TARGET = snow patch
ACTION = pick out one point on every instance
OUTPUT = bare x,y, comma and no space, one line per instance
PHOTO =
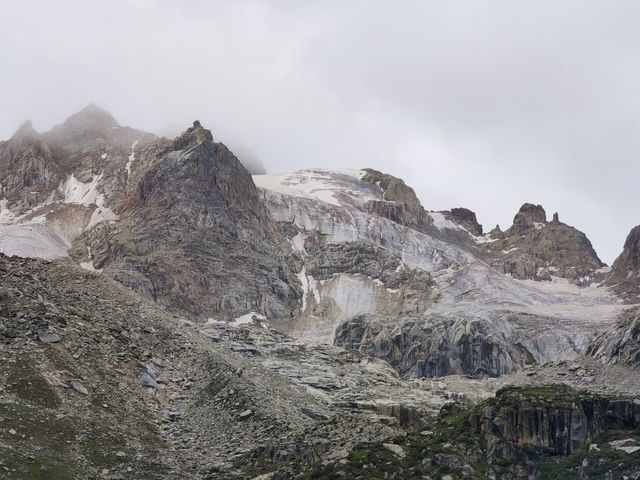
357,173
5,213
213,321
247,318
309,286
297,242
441,222
101,214
484,239
31,240
132,158
81,193
89,265
321,185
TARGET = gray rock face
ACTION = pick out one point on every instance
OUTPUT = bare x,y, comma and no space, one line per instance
194,236
621,343
29,173
533,248
399,203
147,380
625,279
465,218
362,258
435,346
629,259
49,337
554,420
528,216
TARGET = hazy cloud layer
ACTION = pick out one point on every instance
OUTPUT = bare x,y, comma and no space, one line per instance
484,104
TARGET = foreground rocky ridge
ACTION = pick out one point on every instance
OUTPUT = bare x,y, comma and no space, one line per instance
99,383
198,401
543,432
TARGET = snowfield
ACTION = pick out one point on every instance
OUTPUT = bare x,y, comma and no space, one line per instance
558,315
47,230
334,188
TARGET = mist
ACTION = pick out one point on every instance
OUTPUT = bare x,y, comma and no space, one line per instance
481,104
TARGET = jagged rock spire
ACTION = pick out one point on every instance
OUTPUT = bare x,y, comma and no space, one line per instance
530,214
193,136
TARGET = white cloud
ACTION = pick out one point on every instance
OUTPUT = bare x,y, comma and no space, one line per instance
485,104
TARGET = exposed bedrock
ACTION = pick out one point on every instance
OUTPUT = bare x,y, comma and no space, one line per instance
523,425
621,343
535,249
195,237
434,346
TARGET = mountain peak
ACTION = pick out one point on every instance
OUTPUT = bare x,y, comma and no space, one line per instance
91,117
25,131
193,136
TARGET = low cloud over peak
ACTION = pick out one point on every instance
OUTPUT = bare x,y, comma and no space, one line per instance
485,104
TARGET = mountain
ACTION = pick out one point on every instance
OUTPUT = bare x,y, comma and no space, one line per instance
621,343
533,248
167,314
471,318
192,220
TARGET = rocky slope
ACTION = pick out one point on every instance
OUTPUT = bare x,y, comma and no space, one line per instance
626,269
548,432
478,321
240,325
533,248
97,382
173,220
191,221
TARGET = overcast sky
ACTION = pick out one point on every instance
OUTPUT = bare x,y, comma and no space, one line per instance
482,104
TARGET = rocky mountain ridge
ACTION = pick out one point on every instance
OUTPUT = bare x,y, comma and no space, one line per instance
294,309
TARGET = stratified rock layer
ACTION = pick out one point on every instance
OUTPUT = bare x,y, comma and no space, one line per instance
194,236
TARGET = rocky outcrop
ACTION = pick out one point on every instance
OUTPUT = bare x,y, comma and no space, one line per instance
533,248
399,201
621,343
625,278
527,217
521,434
437,346
629,259
29,173
194,236
416,287
527,424
466,219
